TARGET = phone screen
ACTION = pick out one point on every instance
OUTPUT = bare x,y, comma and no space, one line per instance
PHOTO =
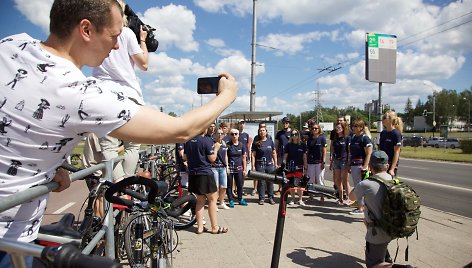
208,85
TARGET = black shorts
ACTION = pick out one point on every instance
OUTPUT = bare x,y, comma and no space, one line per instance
201,184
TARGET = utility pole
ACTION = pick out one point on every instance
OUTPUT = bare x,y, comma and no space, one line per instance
252,105
319,112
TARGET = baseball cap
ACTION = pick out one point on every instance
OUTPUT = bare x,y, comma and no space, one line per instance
305,126
285,119
378,158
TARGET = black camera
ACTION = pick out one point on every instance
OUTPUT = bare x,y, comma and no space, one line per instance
134,23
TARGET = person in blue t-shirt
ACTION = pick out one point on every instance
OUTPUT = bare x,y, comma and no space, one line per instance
264,159
391,139
360,150
316,156
296,163
339,154
200,152
237,152
282,137
219,168
181,164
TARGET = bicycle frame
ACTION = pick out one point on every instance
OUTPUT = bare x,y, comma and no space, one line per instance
18,249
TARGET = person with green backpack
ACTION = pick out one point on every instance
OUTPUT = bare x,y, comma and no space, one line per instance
376,192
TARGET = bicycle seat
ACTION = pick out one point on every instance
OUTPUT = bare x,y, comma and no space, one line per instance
61,228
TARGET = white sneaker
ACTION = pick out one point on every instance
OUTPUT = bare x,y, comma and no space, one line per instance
291,202
301,203
223,206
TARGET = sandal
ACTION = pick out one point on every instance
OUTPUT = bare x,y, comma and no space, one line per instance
202,231
221,230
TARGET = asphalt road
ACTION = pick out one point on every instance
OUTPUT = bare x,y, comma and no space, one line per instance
445,186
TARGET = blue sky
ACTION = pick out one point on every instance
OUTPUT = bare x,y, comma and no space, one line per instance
295,39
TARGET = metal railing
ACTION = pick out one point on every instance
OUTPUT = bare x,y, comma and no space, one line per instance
18,249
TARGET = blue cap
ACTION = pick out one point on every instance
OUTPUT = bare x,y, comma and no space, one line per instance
378,158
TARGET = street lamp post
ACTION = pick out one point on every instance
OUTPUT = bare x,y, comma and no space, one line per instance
434,106
468,115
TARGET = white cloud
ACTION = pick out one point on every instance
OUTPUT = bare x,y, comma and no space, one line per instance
287,43
216,42
175,25
37,12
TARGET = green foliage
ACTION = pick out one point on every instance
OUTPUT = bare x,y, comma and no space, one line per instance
466,146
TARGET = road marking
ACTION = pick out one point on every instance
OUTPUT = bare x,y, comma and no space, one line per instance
413,167
438,161
437,184
62,209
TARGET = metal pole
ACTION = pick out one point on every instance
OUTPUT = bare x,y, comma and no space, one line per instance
434,113
252,105
379,125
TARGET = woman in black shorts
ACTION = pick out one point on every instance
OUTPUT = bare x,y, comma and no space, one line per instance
200,152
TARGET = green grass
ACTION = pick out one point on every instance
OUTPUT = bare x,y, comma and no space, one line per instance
455,155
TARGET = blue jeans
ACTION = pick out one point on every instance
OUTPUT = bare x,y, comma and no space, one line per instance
261,185
239,179
5,260
220,176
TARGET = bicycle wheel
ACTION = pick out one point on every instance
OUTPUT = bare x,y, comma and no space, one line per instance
129,239
181,210
120,224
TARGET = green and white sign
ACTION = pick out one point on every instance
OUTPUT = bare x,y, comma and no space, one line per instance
381,53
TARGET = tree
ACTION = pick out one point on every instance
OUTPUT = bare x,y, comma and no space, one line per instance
408,116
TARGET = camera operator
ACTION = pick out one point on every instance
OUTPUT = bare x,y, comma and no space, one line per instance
119,67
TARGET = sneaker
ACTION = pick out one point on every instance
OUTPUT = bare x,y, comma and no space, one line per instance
301,203
357,212
291,202
244,193
261,202
271,201
243,202
253,193
223,206
231,204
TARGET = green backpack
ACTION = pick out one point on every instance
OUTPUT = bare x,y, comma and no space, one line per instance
401,208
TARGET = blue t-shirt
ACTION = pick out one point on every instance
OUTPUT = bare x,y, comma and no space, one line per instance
227,138
221,159
263,152
315,149
197,150
356,149
388,141
244,138
340,147
283,138
295,154
235,156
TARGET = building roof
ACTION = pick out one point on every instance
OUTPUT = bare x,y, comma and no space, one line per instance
251,116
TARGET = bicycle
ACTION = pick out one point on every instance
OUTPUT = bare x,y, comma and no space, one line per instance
152,243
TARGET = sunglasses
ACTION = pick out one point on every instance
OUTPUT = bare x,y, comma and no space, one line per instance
234,134
220,133
294,133
316,128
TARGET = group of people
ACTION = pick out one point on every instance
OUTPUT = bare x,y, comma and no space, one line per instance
51,105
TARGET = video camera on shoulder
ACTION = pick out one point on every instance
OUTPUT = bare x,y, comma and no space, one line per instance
134,23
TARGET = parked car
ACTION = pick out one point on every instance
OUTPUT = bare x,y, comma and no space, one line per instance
434,142
414,141
452,143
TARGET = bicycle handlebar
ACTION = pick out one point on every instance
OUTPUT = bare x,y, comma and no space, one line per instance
266,176
156,188
69,256
314,188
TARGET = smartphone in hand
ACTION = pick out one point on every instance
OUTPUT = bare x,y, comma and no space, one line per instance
208,85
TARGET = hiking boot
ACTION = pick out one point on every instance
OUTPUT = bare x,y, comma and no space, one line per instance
243,202
357,212
231,204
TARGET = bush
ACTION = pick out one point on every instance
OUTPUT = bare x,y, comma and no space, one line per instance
466,146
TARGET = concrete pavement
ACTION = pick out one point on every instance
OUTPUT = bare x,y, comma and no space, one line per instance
318,235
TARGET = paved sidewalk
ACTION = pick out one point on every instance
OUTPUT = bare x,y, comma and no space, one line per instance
318,235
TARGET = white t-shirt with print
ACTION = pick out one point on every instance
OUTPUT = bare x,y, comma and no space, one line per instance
119,66
46,107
